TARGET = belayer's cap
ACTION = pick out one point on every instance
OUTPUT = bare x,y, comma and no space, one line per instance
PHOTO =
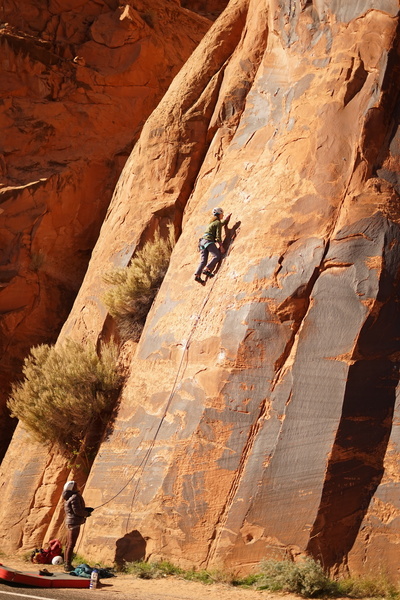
69,486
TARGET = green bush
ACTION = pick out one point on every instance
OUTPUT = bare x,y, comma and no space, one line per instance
367,587
134,288
65,390
306,579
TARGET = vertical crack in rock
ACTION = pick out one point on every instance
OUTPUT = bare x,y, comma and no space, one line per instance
303,296
356,79
378,122
289,309
23,517
355,466
381,118
386,164
247,449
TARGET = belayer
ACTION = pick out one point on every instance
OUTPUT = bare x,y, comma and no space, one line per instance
211,243
75,515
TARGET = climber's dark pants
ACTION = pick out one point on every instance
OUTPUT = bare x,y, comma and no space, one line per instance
211,249
72,536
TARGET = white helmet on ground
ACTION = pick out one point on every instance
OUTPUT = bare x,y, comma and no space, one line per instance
57,560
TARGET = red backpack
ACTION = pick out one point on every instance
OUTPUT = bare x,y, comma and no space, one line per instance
44,556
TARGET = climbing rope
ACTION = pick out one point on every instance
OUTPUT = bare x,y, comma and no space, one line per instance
146,456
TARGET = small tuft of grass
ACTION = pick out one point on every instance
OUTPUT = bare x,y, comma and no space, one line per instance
167,568
209,576
26,556
37,260
78,559
151,570
248,581
133,289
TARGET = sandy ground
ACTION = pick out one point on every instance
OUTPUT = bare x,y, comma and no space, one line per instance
167,588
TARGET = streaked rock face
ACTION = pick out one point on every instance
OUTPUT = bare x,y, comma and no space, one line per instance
78,81
257,416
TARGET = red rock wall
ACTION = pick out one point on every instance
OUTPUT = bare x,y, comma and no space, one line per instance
78,81
209,8
257,417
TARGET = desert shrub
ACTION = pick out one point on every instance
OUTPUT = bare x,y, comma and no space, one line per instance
377,586
64,390
306,578
133,289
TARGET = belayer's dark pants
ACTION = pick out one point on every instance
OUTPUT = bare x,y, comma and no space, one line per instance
72,536
204,253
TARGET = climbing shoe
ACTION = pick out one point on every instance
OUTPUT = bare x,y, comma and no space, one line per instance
45,572
198,278
208,273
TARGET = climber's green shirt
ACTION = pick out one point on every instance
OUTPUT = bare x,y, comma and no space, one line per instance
213,231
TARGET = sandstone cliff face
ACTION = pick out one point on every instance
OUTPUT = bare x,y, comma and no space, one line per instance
78,81
256,419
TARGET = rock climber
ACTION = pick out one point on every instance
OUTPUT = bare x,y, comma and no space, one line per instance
211,243
75,515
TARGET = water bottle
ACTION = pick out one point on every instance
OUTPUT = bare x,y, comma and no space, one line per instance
94,579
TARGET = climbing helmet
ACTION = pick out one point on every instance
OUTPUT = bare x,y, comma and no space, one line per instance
217,211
